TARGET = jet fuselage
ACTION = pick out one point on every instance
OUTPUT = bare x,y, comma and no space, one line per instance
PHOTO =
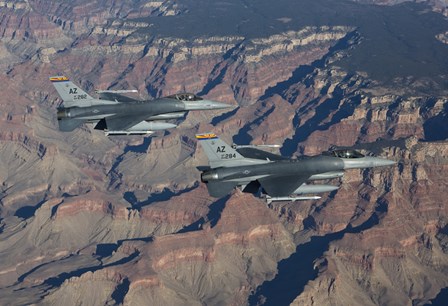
302,166
279,177
117,114
96,112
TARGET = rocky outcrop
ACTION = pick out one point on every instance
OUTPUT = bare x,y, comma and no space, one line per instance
15,5
443,37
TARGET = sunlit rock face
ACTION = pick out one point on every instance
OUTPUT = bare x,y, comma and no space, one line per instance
87,219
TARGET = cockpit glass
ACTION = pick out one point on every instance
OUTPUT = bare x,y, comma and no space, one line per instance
186,97
346,154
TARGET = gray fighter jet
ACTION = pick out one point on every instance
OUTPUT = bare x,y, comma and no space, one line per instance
117,114
280,178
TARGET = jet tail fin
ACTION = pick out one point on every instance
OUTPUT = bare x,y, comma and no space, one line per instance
219,153
71,94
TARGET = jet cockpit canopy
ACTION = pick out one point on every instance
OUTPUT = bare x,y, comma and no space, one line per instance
185,97
345,153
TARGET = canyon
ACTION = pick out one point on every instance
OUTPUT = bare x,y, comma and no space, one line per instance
87,219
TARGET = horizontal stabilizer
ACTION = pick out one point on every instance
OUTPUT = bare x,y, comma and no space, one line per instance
68,125
220,189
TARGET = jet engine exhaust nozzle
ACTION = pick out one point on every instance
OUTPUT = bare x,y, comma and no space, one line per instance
209,176
63,113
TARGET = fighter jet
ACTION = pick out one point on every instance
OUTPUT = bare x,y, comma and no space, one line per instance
117,114
279,178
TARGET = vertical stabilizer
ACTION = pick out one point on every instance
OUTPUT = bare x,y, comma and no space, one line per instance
220,154
71,94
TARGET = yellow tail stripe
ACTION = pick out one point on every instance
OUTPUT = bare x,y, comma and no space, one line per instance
206,136
58,79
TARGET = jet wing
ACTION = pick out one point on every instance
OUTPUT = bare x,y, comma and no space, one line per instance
282,186
124,122
115,97
259,154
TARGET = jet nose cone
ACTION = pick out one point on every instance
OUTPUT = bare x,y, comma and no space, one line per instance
366,162
217,105
380,162
205,105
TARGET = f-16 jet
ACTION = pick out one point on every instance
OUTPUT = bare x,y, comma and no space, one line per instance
117,114
280,178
